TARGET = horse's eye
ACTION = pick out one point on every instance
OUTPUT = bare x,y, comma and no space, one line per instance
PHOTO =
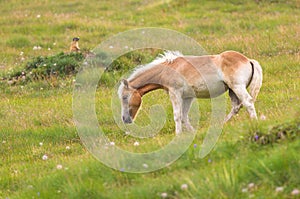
124,97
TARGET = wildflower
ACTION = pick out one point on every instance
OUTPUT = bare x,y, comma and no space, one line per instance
39,48
209,160
244,190
45,157
126,47
111,47
34,48
22,58
59,166
195,145
112,144
145,166
49,48
54,44
3,142
184,186
256,137
38,16
251,185
127,133
164,195
136,144
68,147
279,189
41,88
295,192
41,143
54,64
21,53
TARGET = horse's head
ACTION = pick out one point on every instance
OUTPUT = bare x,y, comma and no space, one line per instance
131,101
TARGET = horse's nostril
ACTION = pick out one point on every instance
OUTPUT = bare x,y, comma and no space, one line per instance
123,118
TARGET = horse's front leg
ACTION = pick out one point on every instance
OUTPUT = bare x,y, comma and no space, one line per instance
176,100
186,105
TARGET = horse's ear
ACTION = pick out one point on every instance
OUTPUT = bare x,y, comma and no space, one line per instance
125,82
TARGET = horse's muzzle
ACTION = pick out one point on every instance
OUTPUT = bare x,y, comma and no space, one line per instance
127,120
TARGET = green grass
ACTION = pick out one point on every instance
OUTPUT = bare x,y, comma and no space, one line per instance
36,118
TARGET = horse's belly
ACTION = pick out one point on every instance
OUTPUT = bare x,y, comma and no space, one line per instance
210,90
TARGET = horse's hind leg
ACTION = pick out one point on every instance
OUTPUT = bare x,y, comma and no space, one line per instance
246,99
235,103
186,105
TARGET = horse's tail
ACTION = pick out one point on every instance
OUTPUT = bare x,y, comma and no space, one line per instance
256,80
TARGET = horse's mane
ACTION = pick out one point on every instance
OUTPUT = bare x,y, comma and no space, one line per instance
167,56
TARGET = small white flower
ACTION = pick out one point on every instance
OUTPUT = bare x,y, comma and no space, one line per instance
136,144
39,48
22,58
45,157
112,144
68,147
164,195
295,192
244,190
251,185
41,143
59,166
45,65
30,186
41,88
49,48
54,44
34,48
54,64
111,47
38,16
3,142
22,87
126,47
184,187
145,166
279,189
127,133
21,53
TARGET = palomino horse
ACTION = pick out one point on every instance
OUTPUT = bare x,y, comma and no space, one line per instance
187,77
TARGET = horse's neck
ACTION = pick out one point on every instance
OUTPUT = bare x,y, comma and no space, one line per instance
149,87
148,80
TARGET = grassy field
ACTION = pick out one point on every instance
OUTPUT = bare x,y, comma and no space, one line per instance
42,155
